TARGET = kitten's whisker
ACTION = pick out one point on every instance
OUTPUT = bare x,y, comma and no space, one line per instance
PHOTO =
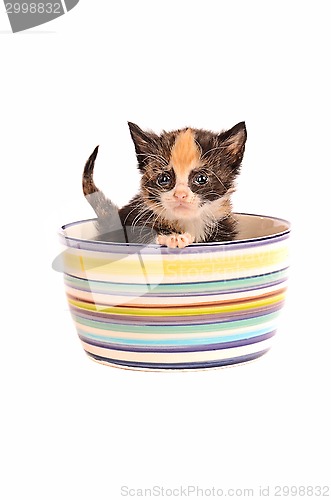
219,180
232,217
141,208
200,148
215,193
139,216
159,157
143,226
153,214
210,221
136,206
212,149
152,190
160,215
145,210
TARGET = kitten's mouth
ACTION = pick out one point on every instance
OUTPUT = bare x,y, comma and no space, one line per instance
183,209
183,205
180,208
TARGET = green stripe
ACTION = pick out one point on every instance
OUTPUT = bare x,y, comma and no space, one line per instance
177,288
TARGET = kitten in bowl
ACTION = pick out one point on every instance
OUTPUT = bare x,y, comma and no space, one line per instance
187,178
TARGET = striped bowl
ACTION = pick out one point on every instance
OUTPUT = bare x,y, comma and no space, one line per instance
153,308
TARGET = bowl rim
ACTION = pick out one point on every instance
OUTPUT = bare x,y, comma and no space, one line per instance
61,233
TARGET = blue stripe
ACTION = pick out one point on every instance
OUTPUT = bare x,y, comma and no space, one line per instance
180,366
179,346
108,341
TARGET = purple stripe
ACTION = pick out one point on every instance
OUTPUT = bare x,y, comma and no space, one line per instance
180,348
132,248
178,366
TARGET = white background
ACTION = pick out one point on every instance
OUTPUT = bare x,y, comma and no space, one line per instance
72,428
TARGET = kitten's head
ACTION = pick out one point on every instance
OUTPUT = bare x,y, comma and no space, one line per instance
189,173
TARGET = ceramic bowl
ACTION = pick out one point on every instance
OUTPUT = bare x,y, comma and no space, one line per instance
153,308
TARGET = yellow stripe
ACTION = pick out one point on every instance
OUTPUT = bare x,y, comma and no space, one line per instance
180,311
175,266
81,261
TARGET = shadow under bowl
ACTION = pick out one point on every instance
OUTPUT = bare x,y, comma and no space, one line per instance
149,307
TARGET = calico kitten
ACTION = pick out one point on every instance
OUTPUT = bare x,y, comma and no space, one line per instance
187,178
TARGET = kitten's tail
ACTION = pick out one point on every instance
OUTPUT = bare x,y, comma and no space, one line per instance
106,211
88,183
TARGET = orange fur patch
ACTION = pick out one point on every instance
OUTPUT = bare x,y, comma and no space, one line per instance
185,154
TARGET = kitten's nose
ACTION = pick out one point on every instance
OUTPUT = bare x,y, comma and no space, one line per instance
180,193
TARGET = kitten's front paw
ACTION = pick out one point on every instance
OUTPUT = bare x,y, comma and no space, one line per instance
175,240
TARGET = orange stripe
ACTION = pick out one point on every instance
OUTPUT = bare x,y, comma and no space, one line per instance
245,300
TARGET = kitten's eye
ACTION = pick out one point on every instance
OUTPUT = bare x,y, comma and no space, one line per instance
200,179
164,179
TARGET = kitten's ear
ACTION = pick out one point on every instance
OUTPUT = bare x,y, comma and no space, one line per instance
145,143
234,139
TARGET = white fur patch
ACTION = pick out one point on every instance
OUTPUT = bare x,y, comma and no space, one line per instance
200,221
